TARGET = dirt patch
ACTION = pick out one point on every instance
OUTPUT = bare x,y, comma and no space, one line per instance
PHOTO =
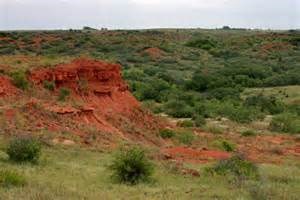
194,155
6,87
154,53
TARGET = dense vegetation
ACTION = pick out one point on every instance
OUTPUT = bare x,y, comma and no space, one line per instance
184,73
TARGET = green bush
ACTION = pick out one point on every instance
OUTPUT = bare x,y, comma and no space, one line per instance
225,145
49,85
10,178
186,137
19,79
287,123
237,166
265,103
214,129
167,133
224,93
199,121
186,123
63,94
178,109
248,133
131,166
24,150
202,43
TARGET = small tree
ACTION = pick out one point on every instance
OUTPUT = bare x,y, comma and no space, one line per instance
24,150
131,166
19,79
49,85
63,94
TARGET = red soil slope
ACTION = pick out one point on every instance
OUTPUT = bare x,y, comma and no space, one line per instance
6,87
105,100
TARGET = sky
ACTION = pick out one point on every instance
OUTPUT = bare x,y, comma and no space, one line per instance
141,14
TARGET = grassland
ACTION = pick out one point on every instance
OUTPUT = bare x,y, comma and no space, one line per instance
75,173
288,94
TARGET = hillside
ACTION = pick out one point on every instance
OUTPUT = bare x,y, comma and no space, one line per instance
193,99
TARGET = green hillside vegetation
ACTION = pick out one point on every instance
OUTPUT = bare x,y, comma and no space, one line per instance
184,73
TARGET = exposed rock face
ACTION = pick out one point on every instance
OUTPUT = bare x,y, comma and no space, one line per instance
99,100
100,84
107,99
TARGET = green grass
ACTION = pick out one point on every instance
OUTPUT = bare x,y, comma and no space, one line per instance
83,174
288,94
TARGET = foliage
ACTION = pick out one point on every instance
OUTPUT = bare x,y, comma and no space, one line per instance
63,94
200,43
248,133
24,150
200,73
178,109
131,166
19,79
186,137
199,120
167,133
186,123
49,85
10,178
225,93
268,104
286,122
237,166
214,129
225,145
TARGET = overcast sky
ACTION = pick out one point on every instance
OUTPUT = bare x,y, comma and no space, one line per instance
129,14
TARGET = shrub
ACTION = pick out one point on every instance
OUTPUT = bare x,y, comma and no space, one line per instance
225,145
178,109
239,113
237,166
24,150
202,43
186,137
167,133
131,166
153,106
19,79
265,103
63,94
10,178
287,123
186,123
223,93
199,121
248,133
228,146
49,85
214,129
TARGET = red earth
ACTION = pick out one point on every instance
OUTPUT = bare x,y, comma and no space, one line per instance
106,103
6,87
187,154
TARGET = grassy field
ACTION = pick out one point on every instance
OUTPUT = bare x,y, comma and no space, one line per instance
73,173
288,94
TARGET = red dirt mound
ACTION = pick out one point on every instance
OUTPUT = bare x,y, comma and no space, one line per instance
107,101
154,53
6,87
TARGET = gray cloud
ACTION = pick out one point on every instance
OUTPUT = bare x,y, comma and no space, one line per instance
54,14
